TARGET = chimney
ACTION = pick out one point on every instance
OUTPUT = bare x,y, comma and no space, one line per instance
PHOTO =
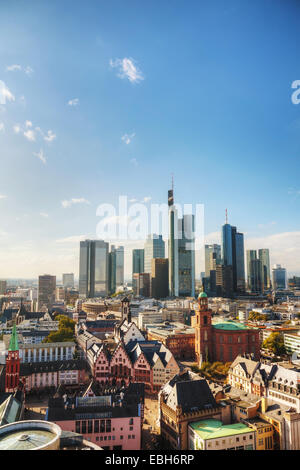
264,404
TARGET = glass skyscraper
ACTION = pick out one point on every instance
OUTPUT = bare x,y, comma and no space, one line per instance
154,248
233,255
186,256
211,261
137,261
173,246
264,257
93,269
279,277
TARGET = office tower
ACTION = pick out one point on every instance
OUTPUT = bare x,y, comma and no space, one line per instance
119,266
60,294
154,248
3,287
251,255
160,278
137,261
186,256
46,290
239,262
210,259
68,280
233,254
227,245
141,284
264,257
93,269
112,283
173,246
279,277
224,281
256,284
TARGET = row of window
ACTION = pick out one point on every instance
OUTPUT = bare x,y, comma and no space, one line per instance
113,438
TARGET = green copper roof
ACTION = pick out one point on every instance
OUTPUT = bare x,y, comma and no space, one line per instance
229,325
13,344
212,429
201,295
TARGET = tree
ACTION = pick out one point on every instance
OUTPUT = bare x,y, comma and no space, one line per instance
275,343
65,332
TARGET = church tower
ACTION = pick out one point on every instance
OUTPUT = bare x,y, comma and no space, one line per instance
203,331
126,314
12,374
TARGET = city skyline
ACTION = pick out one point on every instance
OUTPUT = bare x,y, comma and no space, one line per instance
118,97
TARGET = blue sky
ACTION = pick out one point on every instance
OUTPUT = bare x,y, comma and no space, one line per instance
202,89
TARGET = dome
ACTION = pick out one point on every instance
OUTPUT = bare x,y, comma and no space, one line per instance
202,295
30,435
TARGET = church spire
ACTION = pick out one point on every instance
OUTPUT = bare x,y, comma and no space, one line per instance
13,344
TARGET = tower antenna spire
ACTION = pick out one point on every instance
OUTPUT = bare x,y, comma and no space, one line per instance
226,216
172,181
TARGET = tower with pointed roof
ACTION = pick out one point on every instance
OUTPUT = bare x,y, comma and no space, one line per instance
12,374
203,331
125,307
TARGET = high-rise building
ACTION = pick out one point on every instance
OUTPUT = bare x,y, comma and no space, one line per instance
138,261
239,262
112,284
120,266
264,257
173,246
251,255
154,248
186,256
68,280
160,278
233,255
256,284
141,284
46,290
210,260
93,269
116,268
279,277
3,287
224,281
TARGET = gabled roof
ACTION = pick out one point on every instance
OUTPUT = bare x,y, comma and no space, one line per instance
190,395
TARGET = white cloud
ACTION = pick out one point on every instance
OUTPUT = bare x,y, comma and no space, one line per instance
3,196
5,94
127,69
133,200
50,136
44,214
73,102
30,135
17,129
127,138
28,70
12,68
41,156
146,199
70,202
2,126
134,161
73,239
